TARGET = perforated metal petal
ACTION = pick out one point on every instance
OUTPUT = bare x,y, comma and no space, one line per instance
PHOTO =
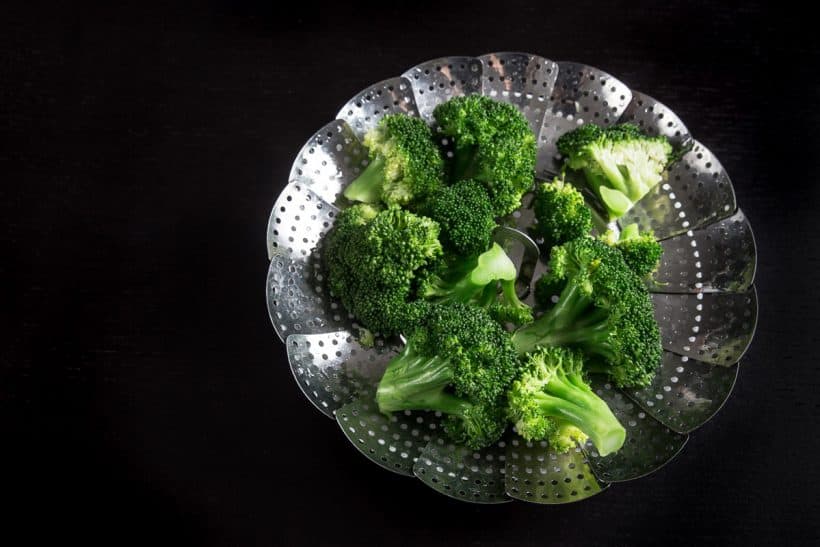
393,442
521,79
363,112
297,301
720,257
330,160
649,444
469,475
332,368
439,80
297,221
655,118
582,94
685,393
715,328
536,473
697,192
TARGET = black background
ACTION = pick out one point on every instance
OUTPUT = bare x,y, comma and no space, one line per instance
143,393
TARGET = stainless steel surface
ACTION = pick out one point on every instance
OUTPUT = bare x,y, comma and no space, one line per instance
537,474
696,193
582,94
294,304
718,258
332,368
441,79
393,442
716,328
685,393
702,329
469,475
521,79
330,160
296,296
363,112
297,221
655,118
649,444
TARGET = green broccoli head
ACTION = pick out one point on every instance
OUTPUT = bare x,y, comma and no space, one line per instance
405,163
547,289
459,362
603,309
552,401
476,281
493,144
475,425
620,163
371,260
641,252
561,213
508,307
465,214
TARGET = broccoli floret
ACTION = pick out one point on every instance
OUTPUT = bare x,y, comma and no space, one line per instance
476,281
493,144
371,259
640,250
459,362
561,213
547,287
603,309
620,163
405,163
465,214
508,308
551,400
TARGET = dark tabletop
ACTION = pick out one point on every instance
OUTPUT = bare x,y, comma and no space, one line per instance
144,396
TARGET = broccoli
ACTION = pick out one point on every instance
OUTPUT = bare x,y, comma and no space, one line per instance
508,308
465,214
603,309
371,259
405,163
640,250
493,144
547,287
551,400
561,213
475,281
620,163
459,362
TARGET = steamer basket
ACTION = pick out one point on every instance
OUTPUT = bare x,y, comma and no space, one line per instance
705,300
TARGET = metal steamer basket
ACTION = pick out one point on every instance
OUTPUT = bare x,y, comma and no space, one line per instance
705,301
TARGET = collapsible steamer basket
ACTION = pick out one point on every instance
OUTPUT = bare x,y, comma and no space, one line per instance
705,302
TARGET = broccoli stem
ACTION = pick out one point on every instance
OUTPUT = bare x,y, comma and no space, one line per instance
463,290
558,326
435,401
572,402
510,295
413,381
367,187
612,176
470,282
569,323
